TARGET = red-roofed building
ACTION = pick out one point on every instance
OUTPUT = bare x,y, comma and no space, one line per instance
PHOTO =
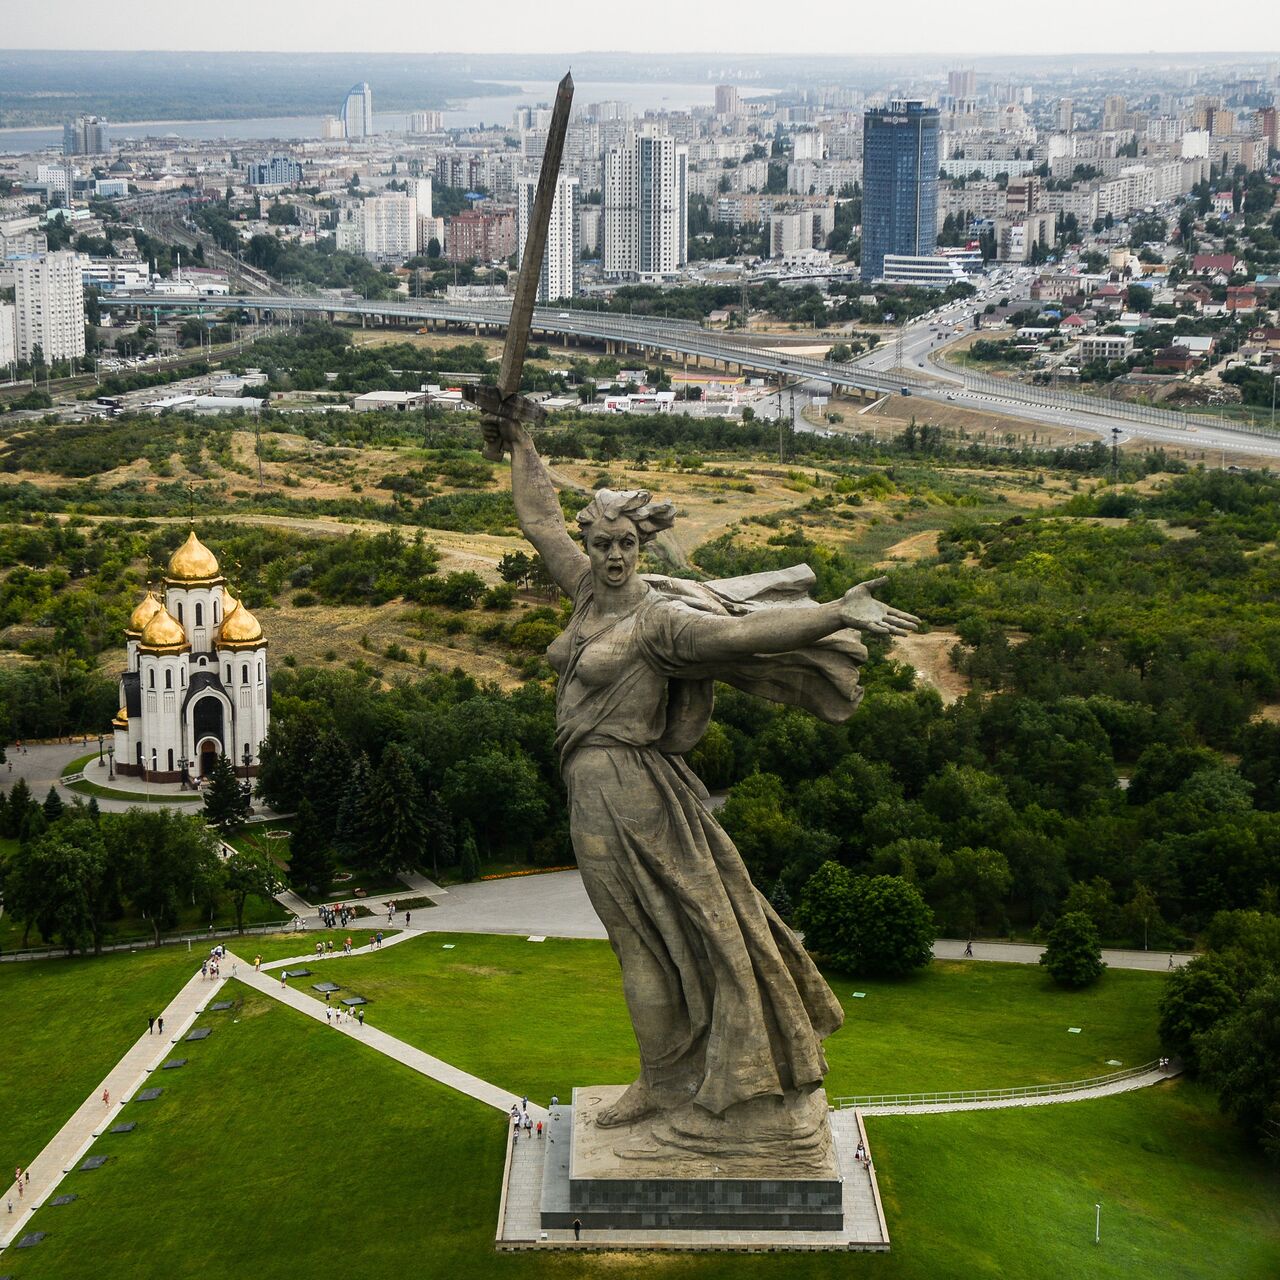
1075,324
1241,297
1223,204
1213,264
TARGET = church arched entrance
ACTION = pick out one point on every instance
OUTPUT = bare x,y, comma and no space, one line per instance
208,731
207,754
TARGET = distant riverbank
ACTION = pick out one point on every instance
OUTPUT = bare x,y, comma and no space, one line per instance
494,109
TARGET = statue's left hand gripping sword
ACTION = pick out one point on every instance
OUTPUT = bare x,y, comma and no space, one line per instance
504,400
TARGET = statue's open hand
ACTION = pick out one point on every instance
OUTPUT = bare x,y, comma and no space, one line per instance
860,609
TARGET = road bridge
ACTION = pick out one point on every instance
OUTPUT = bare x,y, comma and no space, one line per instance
654,336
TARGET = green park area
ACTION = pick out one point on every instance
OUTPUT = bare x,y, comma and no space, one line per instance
952,1026
278,1125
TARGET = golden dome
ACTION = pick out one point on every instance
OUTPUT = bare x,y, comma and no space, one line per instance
229,601
240,627
193,561
147,609
164,633
122,716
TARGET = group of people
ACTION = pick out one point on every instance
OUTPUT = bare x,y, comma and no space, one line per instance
338,1016
521,1120
337,916
155,1026
211,969
325,946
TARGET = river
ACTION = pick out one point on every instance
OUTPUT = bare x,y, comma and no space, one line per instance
470,112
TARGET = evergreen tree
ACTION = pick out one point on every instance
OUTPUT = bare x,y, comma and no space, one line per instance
15,810
53,806
310,853
1074,954
393,815
226,803
352,837
34,824
780,899
469,868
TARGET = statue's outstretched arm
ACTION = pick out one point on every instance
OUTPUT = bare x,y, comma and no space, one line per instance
784,629
538,507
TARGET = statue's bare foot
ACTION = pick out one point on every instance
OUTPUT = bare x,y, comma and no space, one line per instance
637,1102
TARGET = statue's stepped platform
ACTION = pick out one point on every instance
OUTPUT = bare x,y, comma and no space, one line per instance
680,1201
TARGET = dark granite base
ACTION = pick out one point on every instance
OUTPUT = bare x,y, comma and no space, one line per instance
709,1204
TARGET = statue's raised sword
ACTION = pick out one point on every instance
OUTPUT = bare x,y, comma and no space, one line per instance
504,400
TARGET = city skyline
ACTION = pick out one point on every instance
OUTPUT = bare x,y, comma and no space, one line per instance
716,29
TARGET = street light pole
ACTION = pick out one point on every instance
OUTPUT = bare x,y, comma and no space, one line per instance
1097,1224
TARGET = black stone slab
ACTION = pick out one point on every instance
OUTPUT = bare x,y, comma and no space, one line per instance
30,1241
322,987
127,1126
218,1008
200,1033
93,1162
352,1001
173,1064
148,1095
297,973
63,1200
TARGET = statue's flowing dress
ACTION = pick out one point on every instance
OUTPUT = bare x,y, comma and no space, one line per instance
727,1005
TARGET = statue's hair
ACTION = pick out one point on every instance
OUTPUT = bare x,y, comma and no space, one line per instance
650,518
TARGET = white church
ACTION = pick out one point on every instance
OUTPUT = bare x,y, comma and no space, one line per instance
196,684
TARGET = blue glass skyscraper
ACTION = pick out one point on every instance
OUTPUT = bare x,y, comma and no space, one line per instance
899,183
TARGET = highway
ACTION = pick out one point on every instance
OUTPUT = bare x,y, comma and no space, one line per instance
879,373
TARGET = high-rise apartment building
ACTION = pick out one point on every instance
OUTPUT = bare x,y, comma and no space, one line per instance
900,183
390,232
8,335
962,84
646,208
425,122
85,136
50,306
476,235
279,171
560,275
726,100
1066,115
357,112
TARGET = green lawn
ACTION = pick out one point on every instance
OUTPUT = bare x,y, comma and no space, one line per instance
955,1026
282,1142
66,1024
108,792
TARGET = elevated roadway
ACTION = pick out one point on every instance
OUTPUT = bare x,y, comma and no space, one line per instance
881,373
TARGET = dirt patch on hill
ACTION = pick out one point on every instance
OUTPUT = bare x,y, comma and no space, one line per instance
920,546
930,655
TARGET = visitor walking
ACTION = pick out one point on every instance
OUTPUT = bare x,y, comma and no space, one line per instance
1171,960
360,1016
968,950
406,919
151,1025
577,1228
106,1097
160,1025
539,1128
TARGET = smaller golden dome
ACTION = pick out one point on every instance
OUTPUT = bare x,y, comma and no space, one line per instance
122,716
240,627
147,609
193,561
229,601
164,633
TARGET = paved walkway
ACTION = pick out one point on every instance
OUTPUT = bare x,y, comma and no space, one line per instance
69,1144
424,1063
556,905
1143,1081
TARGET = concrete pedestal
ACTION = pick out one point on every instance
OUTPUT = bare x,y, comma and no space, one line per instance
587,1175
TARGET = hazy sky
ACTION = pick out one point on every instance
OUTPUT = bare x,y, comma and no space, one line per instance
710,26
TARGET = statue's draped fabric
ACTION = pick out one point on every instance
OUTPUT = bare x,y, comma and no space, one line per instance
726,1003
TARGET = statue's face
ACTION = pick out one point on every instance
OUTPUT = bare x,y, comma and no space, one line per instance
614,548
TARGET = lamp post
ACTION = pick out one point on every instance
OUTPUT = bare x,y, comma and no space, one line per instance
100,740
1097,1224
111,762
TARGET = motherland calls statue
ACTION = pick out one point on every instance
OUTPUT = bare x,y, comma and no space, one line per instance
729,1011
